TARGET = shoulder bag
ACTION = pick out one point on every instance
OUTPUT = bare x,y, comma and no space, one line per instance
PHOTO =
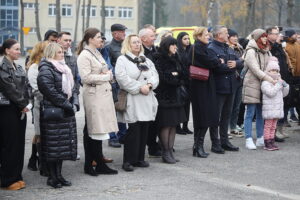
198,73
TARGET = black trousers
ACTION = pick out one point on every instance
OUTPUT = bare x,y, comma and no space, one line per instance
225,103
135,142
12,145
152,136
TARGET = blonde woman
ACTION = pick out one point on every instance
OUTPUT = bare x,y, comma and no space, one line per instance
57,120
32,72
137,75
97,100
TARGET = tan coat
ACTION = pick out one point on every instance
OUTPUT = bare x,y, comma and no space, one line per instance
251,93
293,50
97,95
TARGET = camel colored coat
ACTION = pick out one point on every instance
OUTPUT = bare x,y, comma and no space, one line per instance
97,94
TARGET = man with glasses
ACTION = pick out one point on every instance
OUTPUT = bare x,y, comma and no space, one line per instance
278,51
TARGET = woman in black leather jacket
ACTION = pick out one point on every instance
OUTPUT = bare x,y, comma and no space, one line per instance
58,133
13,106
171,96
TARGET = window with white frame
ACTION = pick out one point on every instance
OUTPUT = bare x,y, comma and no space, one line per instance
92,11
109,11
32,30
66,10
52,10
125,12
29,5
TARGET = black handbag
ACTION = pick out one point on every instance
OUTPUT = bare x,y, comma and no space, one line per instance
52,113
3,100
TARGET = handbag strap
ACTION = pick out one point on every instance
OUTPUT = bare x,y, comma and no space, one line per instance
193,55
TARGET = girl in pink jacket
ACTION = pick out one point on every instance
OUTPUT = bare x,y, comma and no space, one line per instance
272,108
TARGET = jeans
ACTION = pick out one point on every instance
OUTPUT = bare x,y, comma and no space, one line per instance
236,107
225,102
252,109
122,131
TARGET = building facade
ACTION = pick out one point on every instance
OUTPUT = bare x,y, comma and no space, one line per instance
9,19
121,11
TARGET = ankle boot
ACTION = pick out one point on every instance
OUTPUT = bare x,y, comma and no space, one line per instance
275,147
198,146
167,158
52,179
60,178
42,163
88,167
32,163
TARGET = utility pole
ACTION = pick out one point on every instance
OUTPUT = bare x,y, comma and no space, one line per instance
154,13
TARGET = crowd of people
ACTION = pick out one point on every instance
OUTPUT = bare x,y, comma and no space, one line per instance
137,94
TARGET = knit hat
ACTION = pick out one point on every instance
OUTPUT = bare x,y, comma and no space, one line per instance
232,33
273,64
289,33
257,33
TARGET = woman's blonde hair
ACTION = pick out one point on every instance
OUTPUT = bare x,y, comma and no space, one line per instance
37,53
51,50
126,44
199,32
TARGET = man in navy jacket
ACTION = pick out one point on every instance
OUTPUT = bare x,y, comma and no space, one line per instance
225,76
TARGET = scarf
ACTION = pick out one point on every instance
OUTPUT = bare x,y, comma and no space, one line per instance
67,76
274,76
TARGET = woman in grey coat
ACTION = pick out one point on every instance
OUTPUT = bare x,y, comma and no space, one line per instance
137,75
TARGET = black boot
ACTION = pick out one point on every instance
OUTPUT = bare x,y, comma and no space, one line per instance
42,163
52,179
179,130
198,146
167,157
101,167
88,153
60,178
32,164
186,129
216,145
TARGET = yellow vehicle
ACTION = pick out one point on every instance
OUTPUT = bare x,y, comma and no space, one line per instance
175,30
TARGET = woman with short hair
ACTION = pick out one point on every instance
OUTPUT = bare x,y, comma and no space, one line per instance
57,120
136,75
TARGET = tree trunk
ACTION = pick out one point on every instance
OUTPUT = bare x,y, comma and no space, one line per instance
290,6
209,13
250,18
21,28
103,16
280,5
83,17
37,21
58,16
263,13
76,23
88,14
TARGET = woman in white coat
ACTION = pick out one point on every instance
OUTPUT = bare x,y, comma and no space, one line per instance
137,75
98,101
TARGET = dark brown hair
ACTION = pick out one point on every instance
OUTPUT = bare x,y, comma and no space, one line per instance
7,44
88,33
60,34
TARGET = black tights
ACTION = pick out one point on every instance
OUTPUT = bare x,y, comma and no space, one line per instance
167,137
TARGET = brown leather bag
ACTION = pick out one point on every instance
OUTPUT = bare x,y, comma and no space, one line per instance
196,72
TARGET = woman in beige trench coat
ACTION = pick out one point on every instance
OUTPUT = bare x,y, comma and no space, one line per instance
98,101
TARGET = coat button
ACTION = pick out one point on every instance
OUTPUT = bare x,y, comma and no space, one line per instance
145,78
106,90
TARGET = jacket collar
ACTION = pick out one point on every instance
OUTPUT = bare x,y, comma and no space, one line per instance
7,63
131,55
119,43
221,44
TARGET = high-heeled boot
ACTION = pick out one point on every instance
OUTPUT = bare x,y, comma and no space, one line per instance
88,154
60,178
198,145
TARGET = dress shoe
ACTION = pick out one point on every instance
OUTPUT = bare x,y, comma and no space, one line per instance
217,149
22,184
102,168
229,147
114,143
53,183
141,164
127,167
64,182
187,130
107,160
14,186
90,171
